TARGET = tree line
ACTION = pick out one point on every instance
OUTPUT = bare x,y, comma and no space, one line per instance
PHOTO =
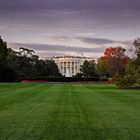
24,64
124,71
115,64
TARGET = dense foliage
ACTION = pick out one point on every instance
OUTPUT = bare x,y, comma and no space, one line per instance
88,69
64,79
132,76
6,73
113,62
24,64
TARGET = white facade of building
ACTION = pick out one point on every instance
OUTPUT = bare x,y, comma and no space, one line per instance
69,65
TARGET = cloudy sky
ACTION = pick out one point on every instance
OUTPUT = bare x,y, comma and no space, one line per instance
74,27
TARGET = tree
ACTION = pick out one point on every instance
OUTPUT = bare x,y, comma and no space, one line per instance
101,66
88,69
26,52
24,64
136,44
132,76
6,73
52,68
3,52
21,62
27,65
113,62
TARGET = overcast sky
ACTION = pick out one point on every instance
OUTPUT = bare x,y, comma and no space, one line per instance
58,27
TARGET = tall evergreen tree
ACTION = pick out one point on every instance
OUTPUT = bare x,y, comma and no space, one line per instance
132,77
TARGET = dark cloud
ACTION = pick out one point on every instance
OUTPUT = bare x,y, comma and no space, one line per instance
90,8
30,21
98,41
85,13
63,38
55,48
69,4
50,54
102,41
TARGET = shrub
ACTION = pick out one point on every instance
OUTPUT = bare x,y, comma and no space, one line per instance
64,79
116,78
126,82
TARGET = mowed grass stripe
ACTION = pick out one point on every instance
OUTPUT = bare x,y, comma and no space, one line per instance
69,112
120,96
19,95
120,113
27,120
13,86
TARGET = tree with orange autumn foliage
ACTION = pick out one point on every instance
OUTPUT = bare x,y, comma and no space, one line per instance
113,62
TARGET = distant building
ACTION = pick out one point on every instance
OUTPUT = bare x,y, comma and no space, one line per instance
69,65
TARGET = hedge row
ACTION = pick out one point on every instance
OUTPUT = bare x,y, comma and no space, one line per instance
65,79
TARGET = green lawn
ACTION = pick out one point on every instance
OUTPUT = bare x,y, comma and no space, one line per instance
68,112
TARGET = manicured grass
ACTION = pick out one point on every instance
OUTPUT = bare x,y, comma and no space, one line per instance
68,112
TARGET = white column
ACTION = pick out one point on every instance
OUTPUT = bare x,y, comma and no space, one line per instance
74,69
76,65
65,67
62,68
70,69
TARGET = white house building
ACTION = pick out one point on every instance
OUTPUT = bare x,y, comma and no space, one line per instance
69,65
